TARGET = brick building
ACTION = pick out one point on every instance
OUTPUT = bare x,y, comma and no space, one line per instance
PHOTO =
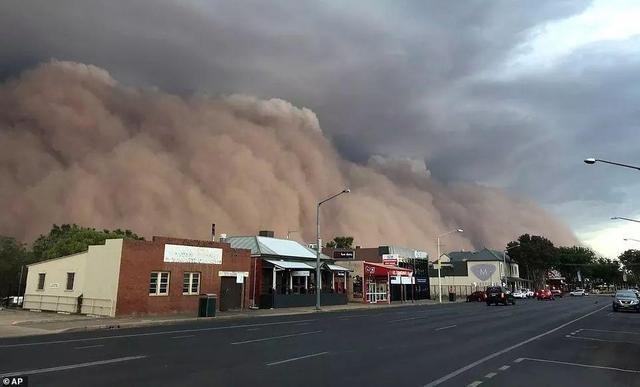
131,277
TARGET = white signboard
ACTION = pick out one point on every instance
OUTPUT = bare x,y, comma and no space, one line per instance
390,259
407,280
420,254
300,273
232,273
192,254
239,278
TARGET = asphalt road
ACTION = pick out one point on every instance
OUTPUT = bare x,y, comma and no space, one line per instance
572,341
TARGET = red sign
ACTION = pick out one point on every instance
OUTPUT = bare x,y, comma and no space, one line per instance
381,270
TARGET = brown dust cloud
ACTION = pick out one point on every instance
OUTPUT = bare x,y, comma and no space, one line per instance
76,146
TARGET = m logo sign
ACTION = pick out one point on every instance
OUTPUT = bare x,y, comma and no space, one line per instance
483,271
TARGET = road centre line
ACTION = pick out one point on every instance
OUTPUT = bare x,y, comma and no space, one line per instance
275,337
183,337
447,327
151,334
505,350
582,365
296,358
71,366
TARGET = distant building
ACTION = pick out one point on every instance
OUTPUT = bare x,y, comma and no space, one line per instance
133,277
467,271
416,261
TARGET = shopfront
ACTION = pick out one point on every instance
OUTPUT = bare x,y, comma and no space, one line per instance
379,280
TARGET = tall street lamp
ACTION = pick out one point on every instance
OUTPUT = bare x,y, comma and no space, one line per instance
592,160
318,247
623,218
504,261
439,264
632,239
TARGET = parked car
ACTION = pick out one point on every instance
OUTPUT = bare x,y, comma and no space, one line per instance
556,292
499,295
520,294
530,293
477,296
626,300
544,294
578,292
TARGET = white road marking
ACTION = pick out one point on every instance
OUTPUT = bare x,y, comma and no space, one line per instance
603,340
583,365
604,330
90,346
474,384
150,334
490,375
275,337
504,367
296,358
569,336
183,337
503,351
447,327
253,329
71,366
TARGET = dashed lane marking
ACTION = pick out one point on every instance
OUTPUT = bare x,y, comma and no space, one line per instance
474,384
518,360
275,337
71,366
609,331
504,368
490,375
505,350
296,358
447,327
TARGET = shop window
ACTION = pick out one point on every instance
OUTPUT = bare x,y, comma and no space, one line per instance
159,283
191,283
41,278
70,280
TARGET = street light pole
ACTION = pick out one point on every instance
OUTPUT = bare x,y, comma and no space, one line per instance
632,239
440,264
592,161
623,218
318,247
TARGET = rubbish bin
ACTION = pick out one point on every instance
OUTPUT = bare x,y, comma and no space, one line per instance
452,297
207,305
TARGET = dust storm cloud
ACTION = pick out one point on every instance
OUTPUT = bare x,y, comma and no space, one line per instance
77,146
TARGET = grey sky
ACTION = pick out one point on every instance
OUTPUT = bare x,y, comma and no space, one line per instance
460,84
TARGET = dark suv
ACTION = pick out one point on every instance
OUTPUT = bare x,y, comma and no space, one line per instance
499,295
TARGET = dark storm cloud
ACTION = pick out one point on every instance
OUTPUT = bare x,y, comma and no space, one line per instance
391,78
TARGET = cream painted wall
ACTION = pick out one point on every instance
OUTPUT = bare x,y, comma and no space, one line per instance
96,278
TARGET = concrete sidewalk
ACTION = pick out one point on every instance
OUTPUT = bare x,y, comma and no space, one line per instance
18,322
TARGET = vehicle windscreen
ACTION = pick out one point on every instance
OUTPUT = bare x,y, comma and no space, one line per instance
626,294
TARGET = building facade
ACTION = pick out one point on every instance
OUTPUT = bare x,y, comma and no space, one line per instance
132,277
464,272
283,273
416,261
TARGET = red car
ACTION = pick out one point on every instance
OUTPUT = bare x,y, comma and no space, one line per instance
477,296
544,294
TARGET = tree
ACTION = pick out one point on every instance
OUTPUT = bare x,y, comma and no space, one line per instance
631,261
604,271
340,242
534,254
70,239
571,260
13,256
